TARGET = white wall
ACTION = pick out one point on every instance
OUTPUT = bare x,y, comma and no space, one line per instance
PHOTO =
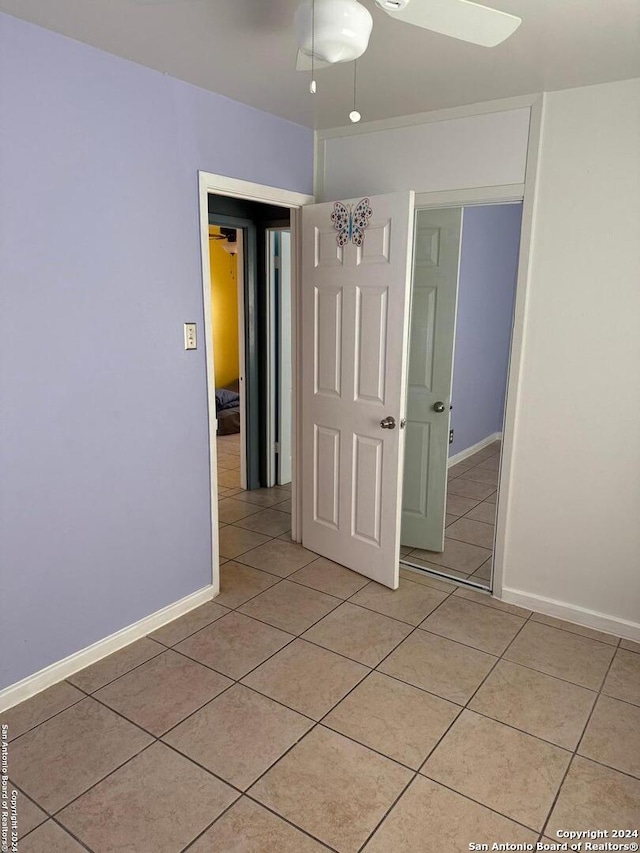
573,526
470,151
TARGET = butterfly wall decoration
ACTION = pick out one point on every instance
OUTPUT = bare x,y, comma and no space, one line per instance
350,221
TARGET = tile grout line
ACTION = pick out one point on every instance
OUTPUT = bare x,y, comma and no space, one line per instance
133,668
55,814
388,812
573,633
266,571
53,716
495,664
291,823
578,743
66,830
478,803
458,594
466,645
593,707
266,808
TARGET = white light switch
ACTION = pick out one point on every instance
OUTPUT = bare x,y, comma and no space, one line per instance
190,339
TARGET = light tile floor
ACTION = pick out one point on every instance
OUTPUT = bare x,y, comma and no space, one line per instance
307,709
469,522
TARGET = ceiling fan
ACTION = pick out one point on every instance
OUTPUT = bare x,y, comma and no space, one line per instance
332,31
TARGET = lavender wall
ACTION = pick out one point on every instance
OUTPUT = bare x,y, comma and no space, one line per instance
488,268
104,502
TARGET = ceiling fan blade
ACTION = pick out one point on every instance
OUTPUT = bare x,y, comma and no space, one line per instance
460,19
303,62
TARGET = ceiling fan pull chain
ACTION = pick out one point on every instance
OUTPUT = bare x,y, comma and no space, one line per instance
312,87
354,115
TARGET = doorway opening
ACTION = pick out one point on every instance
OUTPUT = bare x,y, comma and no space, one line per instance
245,214
250,267
463,297
226,259
247,289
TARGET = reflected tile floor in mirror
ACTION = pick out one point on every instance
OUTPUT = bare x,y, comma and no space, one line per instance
469,521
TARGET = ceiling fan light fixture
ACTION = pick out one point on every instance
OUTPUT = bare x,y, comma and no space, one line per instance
339,33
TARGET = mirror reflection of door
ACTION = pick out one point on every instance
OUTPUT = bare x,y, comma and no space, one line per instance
463,293
432,324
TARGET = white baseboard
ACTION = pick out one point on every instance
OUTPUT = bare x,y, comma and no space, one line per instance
469,451
16,693
572,613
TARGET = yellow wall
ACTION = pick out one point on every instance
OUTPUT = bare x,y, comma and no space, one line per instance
224,304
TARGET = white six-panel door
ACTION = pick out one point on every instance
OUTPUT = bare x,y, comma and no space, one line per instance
355,303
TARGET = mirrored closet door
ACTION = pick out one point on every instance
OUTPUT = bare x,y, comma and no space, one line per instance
463,292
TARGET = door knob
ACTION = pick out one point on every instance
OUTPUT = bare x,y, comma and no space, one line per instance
388,423
439,407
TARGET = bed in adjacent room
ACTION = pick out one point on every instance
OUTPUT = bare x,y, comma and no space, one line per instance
228,409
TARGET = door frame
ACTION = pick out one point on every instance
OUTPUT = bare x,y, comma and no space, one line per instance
210,183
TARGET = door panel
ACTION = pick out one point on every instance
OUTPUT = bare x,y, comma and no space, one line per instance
355,301
371,343
326,474
367,488
433,313
328,340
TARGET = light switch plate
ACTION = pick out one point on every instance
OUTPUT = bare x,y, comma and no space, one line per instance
190,339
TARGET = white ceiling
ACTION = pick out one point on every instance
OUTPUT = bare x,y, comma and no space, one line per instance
246,49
